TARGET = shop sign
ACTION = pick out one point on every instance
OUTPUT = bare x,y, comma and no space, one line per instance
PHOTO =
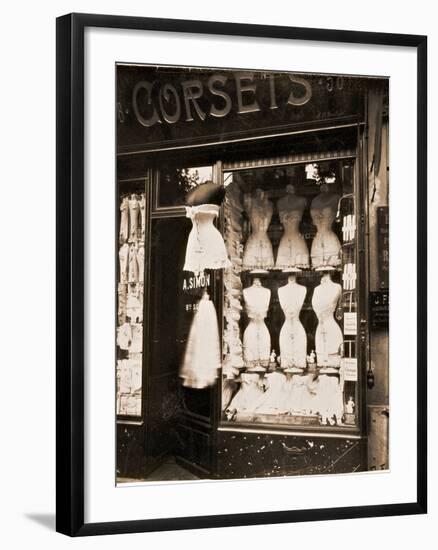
164,106
349,365
379,309
383,246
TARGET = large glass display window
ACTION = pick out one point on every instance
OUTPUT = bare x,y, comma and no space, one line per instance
290,296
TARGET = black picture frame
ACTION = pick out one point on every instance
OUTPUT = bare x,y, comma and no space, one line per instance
70,272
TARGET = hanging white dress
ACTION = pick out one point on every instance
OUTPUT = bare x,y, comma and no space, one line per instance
202,359
205,245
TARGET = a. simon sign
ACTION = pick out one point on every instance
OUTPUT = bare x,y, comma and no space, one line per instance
165,106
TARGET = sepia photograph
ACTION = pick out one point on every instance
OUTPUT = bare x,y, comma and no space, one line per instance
252,256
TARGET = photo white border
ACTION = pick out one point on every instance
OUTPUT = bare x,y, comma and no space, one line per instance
103,500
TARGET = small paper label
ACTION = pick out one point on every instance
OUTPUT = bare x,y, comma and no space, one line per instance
350,323
349,365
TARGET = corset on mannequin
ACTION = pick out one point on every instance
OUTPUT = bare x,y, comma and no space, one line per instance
134,207
325,246
258,254
328,336
124,220
248,395
293,339
275,400
256,338
205,245
292,250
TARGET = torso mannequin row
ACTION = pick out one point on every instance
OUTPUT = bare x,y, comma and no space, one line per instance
293,339
292,250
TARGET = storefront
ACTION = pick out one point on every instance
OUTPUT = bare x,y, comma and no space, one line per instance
302,305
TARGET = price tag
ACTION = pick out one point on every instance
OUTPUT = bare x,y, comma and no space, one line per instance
350,323
349,365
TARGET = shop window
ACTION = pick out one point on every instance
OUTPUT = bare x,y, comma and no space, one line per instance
290,303
130,294
175,182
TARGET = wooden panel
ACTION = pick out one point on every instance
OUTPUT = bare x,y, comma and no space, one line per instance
243,455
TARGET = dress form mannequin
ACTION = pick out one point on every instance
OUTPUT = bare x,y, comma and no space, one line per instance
124,220
205,245
325,246
328,337
292,250
258,253
256,338
134,207
293,339
123,260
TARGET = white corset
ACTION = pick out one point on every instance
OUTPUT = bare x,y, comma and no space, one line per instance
205,245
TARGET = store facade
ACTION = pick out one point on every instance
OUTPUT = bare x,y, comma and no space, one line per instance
302,306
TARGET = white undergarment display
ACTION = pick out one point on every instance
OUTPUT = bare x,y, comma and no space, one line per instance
134,207
122,293
134,310
258,254
124,220
124,336
142,205
129,372
123,262
140,262
293,338
328,336
299,395
232,342
292,250
330,399
132,264
205,245
325,250
256,338
137,338
202,359
248,395
275,400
